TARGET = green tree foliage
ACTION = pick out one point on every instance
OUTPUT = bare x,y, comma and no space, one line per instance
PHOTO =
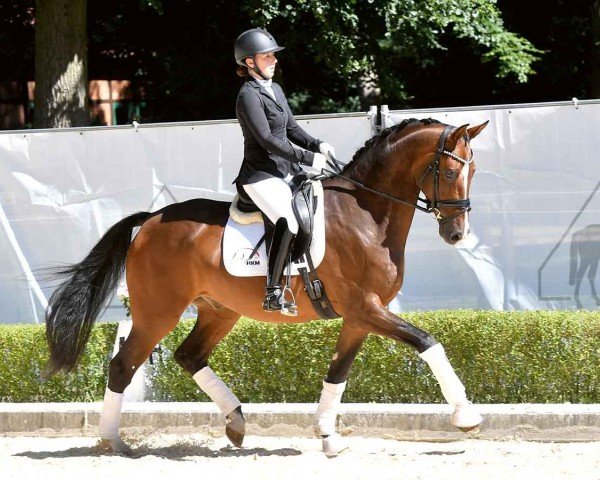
378,42
418,53
339,54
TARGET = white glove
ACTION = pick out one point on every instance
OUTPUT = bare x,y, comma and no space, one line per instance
319,163
326,149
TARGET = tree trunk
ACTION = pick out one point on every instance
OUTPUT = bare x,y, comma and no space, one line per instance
370,90
595,51
61,69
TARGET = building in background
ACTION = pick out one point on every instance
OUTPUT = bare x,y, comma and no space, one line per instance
112,102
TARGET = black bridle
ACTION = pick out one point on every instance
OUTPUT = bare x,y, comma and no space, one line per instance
433,207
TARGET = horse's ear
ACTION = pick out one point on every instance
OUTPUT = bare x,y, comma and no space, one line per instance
457,134
474,131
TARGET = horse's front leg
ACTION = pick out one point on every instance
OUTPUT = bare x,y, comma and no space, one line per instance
383,322
349,341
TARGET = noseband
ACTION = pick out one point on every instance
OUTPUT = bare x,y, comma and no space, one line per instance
433,207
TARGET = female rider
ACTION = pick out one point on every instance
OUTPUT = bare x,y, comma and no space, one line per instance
270,159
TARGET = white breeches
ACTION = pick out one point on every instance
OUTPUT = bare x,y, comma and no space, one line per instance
274,197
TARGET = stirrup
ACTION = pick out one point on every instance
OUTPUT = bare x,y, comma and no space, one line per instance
288,308
275,302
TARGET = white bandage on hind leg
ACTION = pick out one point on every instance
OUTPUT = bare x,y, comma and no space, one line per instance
216,389
331,397
108,427
452,388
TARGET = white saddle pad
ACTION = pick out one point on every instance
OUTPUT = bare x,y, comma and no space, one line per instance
240,240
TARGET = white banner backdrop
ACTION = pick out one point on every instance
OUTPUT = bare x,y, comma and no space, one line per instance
535,199
536,214
60,190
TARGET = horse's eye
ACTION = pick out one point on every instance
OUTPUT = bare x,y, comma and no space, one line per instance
450,174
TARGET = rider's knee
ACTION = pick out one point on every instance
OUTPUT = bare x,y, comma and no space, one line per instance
292,224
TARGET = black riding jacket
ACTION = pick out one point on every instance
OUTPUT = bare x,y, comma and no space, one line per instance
268,127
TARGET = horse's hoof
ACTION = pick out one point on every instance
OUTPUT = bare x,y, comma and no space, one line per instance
334,444
474,429
466,417
236,427
118,446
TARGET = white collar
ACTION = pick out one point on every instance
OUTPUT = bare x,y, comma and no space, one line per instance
265,83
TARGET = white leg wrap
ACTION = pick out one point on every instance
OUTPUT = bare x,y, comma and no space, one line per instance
465,415
331,397
452,388
108,428
216,389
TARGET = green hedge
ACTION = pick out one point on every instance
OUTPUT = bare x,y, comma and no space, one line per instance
502,357
23,358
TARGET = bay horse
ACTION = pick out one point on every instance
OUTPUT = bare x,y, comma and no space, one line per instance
175,260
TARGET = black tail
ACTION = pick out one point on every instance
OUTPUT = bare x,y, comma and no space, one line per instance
78,301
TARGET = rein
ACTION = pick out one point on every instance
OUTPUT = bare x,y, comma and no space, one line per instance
433,207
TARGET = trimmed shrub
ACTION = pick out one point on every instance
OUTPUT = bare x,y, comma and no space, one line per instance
259,362
23,358
502,357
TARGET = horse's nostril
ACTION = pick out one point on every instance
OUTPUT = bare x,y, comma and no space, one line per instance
456,236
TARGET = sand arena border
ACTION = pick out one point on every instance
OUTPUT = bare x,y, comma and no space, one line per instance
428,422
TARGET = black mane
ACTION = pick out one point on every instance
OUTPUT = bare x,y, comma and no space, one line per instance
379,137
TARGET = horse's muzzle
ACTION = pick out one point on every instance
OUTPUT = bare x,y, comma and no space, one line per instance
452,233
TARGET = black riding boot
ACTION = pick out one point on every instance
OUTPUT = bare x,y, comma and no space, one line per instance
278,254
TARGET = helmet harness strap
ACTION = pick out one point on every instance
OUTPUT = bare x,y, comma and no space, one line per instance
256,69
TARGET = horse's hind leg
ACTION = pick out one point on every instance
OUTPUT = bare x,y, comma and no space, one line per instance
213,324
592,277
146,332
349,342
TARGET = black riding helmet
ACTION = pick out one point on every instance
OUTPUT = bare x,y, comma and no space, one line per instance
253,41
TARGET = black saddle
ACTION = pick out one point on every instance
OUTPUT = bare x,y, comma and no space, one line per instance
304,205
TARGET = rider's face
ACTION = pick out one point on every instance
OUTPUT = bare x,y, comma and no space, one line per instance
265,62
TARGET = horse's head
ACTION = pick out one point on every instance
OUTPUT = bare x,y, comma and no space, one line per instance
444,176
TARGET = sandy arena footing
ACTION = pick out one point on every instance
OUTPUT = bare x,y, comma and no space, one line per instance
166,456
